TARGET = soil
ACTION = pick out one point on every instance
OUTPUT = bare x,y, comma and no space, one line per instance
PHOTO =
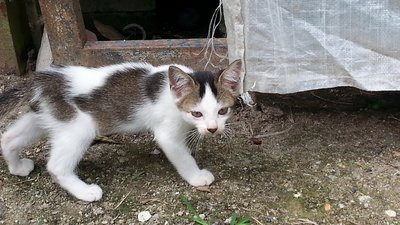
321,163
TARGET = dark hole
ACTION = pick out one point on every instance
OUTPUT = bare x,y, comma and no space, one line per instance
150,19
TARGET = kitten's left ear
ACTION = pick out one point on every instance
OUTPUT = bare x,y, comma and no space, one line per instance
230,77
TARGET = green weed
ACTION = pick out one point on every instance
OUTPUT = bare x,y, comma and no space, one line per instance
235,219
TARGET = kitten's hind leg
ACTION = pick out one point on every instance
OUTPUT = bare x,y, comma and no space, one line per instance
21,134
69,143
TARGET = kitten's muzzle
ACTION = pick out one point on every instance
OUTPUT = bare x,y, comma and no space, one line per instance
212,130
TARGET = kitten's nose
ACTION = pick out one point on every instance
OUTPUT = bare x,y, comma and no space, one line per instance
212,130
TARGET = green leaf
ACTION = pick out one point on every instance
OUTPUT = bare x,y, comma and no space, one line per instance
245,221
199,220
233,219
185,201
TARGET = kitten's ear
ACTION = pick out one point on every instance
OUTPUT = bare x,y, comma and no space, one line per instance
230,77
180,82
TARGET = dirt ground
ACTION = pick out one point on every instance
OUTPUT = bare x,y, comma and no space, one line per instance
284,163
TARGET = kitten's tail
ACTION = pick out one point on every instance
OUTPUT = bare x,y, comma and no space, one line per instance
14,101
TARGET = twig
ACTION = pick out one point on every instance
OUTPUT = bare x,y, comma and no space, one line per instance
305,221
105,139
115,218
327,100
393,117
251,129
257,221
25,181
273,133
122,200
150,200
253,210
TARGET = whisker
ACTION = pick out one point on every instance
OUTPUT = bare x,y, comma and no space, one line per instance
193,139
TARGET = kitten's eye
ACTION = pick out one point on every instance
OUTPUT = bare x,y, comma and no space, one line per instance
223,111
196,114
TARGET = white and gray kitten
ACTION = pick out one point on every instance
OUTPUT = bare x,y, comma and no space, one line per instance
71,105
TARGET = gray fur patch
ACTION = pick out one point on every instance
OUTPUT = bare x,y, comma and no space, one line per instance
53,87
153,85
114,103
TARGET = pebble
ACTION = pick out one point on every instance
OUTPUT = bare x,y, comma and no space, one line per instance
364,200
390,213
155,152
98,211
297,195
144,216
327,207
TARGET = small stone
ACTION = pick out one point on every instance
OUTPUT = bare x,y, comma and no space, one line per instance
332,177
297,195
98,211
341,206
390,213
155,152
228,221
144,216
396,154
180,213
327,207
364,199
202,216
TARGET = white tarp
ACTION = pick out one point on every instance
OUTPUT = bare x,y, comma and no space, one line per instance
296,45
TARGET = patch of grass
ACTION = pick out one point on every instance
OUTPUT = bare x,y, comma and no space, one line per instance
235,219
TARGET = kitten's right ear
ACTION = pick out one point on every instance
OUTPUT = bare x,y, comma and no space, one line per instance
180,82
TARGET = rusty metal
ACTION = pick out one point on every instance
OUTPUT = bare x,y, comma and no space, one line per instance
65,27
182,51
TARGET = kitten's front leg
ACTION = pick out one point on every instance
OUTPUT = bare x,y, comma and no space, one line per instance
178,154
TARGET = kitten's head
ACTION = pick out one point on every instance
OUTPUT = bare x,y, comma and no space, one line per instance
205,99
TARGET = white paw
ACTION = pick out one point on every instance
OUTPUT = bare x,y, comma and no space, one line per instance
201,178
24,168
91,193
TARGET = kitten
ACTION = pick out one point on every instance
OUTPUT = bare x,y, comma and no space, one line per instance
71,105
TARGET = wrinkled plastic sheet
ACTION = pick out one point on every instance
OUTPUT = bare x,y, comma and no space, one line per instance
296,45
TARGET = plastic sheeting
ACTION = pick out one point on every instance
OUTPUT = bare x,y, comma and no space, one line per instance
296,45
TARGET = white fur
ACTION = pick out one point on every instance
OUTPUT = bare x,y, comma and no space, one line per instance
169,128
209,107
165,68
70,140
24,132
84,80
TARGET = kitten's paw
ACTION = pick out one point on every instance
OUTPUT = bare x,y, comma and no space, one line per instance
201,178
91,193
24,168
